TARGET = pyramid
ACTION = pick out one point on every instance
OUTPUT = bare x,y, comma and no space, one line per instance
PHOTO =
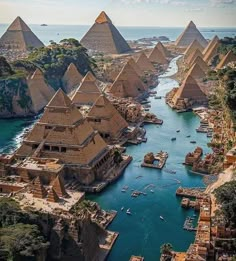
214,40
193,56
71,78
104,37
64,134
127,83
192,48
38,189
40,92
157,56
190,34
228,58
88,92
162,48
52,196
198,60
19,37
189,89
144,63
58,187
104,118
135,67
211,53
196,72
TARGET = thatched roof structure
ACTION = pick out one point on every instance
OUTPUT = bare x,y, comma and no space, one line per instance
72,78
19,37
104,118
127,83
190,34
88,92
104,37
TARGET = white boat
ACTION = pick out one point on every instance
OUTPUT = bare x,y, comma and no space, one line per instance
122,209
128,212
151,191
161,217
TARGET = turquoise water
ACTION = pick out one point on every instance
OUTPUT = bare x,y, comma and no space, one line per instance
143,232
59,32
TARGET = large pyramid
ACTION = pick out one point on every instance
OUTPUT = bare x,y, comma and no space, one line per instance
87,93
63,133
104,118
214,40
193,56
40,92
144,63
104,37
135,66
19,37
157,56
192,48
189,89
162,48
72,78
196,72
202,64
127,83
190,34
228,58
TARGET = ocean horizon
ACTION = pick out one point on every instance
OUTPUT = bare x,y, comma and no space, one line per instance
59,32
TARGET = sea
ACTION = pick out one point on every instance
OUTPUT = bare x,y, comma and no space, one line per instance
142,232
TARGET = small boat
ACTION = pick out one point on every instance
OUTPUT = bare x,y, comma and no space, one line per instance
122,209
188,136
123,190
172,139
128,212
158,97
161,217
193,141
151,191
178,131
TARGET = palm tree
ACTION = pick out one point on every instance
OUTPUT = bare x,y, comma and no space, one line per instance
166,251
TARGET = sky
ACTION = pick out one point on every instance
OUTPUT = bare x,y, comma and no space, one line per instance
204,13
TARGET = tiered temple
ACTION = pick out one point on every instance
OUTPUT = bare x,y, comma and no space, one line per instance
38,189
104,118
40,92
19,37
104,37
144,63
62,133
72,78
127,84
87,93
190,34
228,58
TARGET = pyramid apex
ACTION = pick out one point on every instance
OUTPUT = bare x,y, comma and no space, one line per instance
37,74
89,77
191,24
103,18
60,99
18,25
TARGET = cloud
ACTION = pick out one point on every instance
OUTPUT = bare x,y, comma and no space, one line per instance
222,2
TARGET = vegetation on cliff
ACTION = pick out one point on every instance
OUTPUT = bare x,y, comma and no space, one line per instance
55,59
227,44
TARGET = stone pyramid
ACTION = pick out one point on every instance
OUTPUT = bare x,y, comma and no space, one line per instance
40,92
196,72
104,118
189,35
162,48
157,56
52,196
211,53
87,93
38,189
189,89
228,58
72,78
192,48
214,40
127,83
193,56
104,37
64,134
19,37
202,64
135,67
144,63
58,187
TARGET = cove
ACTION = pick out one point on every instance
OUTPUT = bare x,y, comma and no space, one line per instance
143,232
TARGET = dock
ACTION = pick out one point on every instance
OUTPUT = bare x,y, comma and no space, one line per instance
160,157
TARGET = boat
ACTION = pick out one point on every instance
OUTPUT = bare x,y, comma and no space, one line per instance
178,131
161,217
151,191
188,136
123,190
157,97
122,209
43,25
128,212
193,141
172,139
